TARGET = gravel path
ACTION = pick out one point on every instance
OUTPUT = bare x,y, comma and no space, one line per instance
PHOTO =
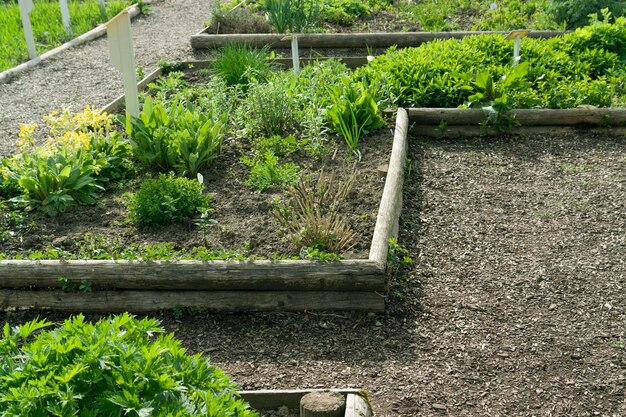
84,75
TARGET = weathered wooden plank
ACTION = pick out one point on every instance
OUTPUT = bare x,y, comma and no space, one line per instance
118,103
147,301
391,202
433,131
345,275
340,40
356,406
272,399
525,117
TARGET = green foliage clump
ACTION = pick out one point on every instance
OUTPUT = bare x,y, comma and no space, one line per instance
268,110
575,13
167,199
114,367
293,16
170,136
238,65
266,172
81,156
579,68
354,112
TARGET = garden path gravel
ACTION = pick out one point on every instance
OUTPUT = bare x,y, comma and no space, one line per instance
83,75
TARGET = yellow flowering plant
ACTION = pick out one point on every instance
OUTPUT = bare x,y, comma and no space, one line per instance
82,153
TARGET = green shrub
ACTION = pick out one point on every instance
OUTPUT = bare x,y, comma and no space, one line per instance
114,367
428,76
172,136
167,199
575,13
266,172
238,65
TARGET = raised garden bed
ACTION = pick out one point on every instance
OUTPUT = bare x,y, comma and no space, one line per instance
115,285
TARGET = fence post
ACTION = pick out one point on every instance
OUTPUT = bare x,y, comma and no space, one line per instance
26,6
65,15
123,58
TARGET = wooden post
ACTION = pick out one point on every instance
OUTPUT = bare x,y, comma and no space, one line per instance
103,11
322,404
123,58
65,16
357,406
26,6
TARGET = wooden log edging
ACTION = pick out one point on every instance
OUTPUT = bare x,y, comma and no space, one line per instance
94,33
272,399
345,275
147,301
607,117
391,201
204,40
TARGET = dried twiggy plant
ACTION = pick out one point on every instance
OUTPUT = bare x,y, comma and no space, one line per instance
311,217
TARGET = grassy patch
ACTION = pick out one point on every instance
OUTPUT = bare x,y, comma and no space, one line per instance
48,29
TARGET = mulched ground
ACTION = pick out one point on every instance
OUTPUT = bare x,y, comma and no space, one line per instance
515,305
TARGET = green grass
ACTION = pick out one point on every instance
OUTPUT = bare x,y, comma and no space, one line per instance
48,29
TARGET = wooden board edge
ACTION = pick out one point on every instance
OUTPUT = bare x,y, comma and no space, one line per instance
217,301
357,406
273,399
118,103
391,202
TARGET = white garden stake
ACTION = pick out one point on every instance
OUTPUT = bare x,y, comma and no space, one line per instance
65,16
123,58
295,54
517,36
26,6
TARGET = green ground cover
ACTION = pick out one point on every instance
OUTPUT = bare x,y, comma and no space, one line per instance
48,29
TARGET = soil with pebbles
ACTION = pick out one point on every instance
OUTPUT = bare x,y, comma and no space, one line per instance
515,304
84,75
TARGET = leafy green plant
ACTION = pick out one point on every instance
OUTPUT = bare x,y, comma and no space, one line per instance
174,136
167,199
311,217
575,13
238,64
354,112
240,20
314,254
266,172
268,111
292,15
562,72
56,182
114,367
398,255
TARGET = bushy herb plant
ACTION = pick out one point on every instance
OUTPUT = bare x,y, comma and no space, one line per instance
292,15
167,199
170,136
266,172
238,65
117,366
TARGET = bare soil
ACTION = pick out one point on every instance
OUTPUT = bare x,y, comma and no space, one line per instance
515,304
244,218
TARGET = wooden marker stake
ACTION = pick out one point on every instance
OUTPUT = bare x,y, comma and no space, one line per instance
517,36
123,58
26,6
65,16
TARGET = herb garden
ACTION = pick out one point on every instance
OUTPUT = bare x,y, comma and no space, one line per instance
452,202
